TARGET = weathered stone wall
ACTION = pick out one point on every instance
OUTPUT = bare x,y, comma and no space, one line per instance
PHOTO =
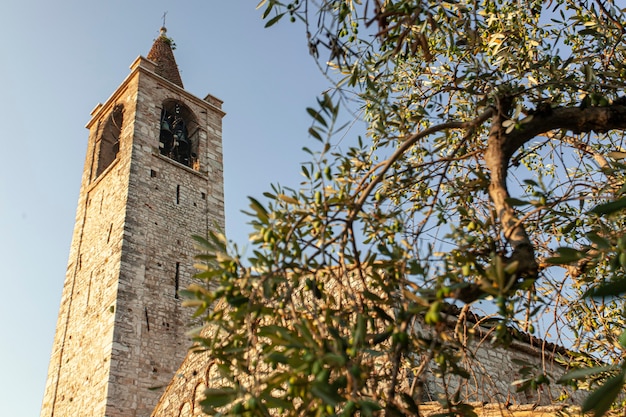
79,366
492,370
121,329
186,390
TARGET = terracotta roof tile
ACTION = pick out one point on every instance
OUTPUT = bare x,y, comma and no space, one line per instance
161,54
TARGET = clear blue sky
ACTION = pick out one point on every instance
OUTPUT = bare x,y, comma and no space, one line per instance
57,61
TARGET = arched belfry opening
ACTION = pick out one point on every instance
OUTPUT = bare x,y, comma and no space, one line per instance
178,133
109,141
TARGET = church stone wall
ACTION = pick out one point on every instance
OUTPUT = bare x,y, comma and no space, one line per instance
493,369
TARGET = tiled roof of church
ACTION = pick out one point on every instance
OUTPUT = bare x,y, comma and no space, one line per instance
161,54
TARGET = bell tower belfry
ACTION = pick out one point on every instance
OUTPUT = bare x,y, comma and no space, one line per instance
153,178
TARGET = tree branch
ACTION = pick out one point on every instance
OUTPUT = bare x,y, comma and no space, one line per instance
497,157
406,145
501,148
574,119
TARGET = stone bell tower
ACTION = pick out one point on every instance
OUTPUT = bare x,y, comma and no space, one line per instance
152,178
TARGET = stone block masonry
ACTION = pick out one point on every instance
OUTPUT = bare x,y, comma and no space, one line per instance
493,370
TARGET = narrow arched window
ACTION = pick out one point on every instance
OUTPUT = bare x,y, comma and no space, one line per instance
177,133
108,144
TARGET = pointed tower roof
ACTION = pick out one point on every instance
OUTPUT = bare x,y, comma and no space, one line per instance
161,54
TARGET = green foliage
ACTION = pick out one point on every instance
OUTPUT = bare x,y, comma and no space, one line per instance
489,176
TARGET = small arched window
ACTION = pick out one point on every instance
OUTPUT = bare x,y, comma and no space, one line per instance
109,143
177,133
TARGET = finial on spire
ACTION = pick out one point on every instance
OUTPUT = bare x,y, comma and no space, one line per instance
163,29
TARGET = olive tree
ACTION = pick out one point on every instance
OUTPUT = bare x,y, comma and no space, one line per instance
489,176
